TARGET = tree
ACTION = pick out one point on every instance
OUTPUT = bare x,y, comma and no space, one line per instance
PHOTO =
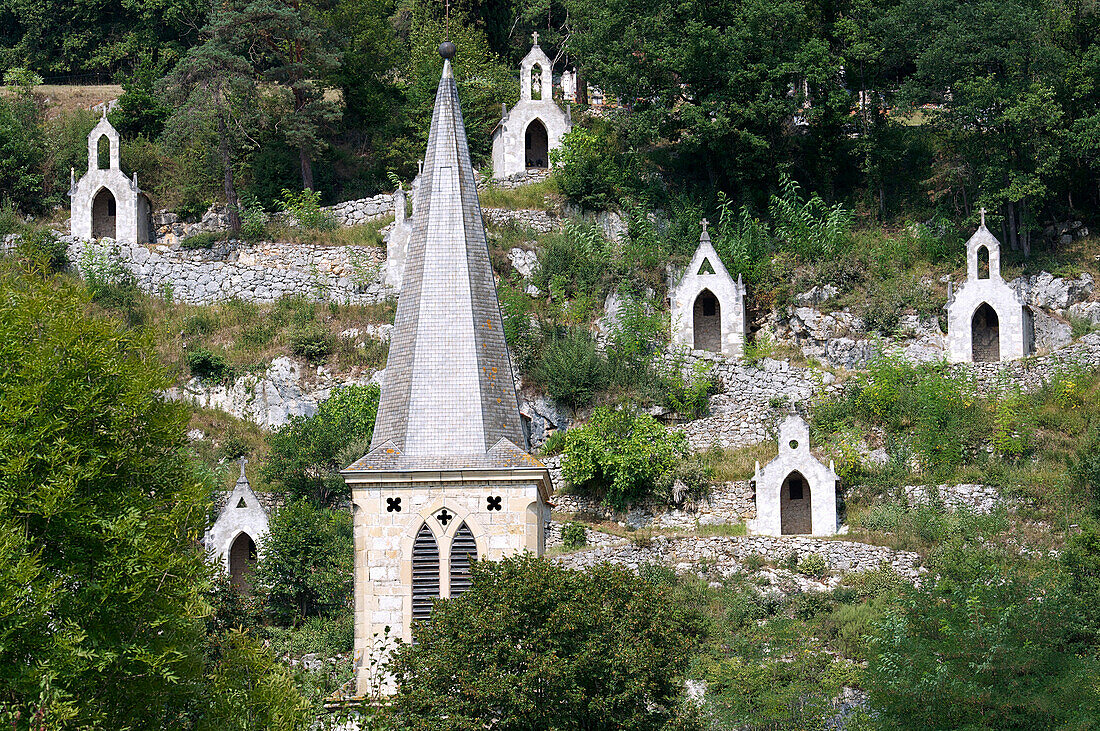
535,646
307,453
22,152
101,514
306,566
214,87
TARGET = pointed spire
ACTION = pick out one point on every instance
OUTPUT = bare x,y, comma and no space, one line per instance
448,389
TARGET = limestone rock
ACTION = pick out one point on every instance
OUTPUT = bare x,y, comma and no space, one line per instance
1053,293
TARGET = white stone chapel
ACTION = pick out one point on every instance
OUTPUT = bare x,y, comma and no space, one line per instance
707,306
104,202
529,131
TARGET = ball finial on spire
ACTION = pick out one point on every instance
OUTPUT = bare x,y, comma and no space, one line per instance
447,50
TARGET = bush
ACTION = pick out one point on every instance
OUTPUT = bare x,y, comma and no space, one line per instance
587,169
689,394
576,262
21,153
305,207
622,455
572,368
10,220
208,366
574,535
814,565
202,240
314,343
42,245
1085,471
253,219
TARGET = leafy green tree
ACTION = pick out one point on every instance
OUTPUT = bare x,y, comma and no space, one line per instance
101,513
308,452
535,646
22,153
623,455
306,566
982,648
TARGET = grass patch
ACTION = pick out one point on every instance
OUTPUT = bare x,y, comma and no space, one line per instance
532,196
367,234
732,465
226,438
722,530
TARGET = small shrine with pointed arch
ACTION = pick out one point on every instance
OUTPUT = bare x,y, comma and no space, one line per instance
533,128
707,305
795,492
105,204
236,538
986,319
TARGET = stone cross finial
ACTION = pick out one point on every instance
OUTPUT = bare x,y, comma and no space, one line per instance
243,462
535,35
447,20
982,211
705,223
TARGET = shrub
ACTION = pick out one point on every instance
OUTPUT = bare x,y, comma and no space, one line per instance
623,455
208,366
852,626
572,368
574,535
1085,471
809,605
314,343
689,394
587,170
202,240
576,262
10,220
305,207
748,607
253,218
41,244
814,565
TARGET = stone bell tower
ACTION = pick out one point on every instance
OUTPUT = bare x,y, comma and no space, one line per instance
448,479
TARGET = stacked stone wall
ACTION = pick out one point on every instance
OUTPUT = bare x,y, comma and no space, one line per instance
725,504
726,555
538,221
263,272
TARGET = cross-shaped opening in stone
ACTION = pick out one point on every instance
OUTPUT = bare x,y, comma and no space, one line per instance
493,502
444,517
393,505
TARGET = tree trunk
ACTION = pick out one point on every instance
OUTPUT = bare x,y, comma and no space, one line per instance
1013,238
227,181
307,168
582,88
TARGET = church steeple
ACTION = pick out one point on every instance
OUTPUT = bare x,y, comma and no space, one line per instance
448,387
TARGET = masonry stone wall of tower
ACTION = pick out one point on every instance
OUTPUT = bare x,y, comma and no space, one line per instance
986,319
533,128
448,478
104,202
795,492
708,306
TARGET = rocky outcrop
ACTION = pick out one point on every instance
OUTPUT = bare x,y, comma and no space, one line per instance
285,390
1052,293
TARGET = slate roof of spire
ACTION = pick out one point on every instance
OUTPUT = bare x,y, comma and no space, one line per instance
448,395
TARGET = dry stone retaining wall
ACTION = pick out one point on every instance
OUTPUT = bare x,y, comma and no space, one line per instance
538,221
725,555
263,272
1030,374
728,503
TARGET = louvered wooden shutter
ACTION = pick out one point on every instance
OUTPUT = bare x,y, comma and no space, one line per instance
425,583
463,553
